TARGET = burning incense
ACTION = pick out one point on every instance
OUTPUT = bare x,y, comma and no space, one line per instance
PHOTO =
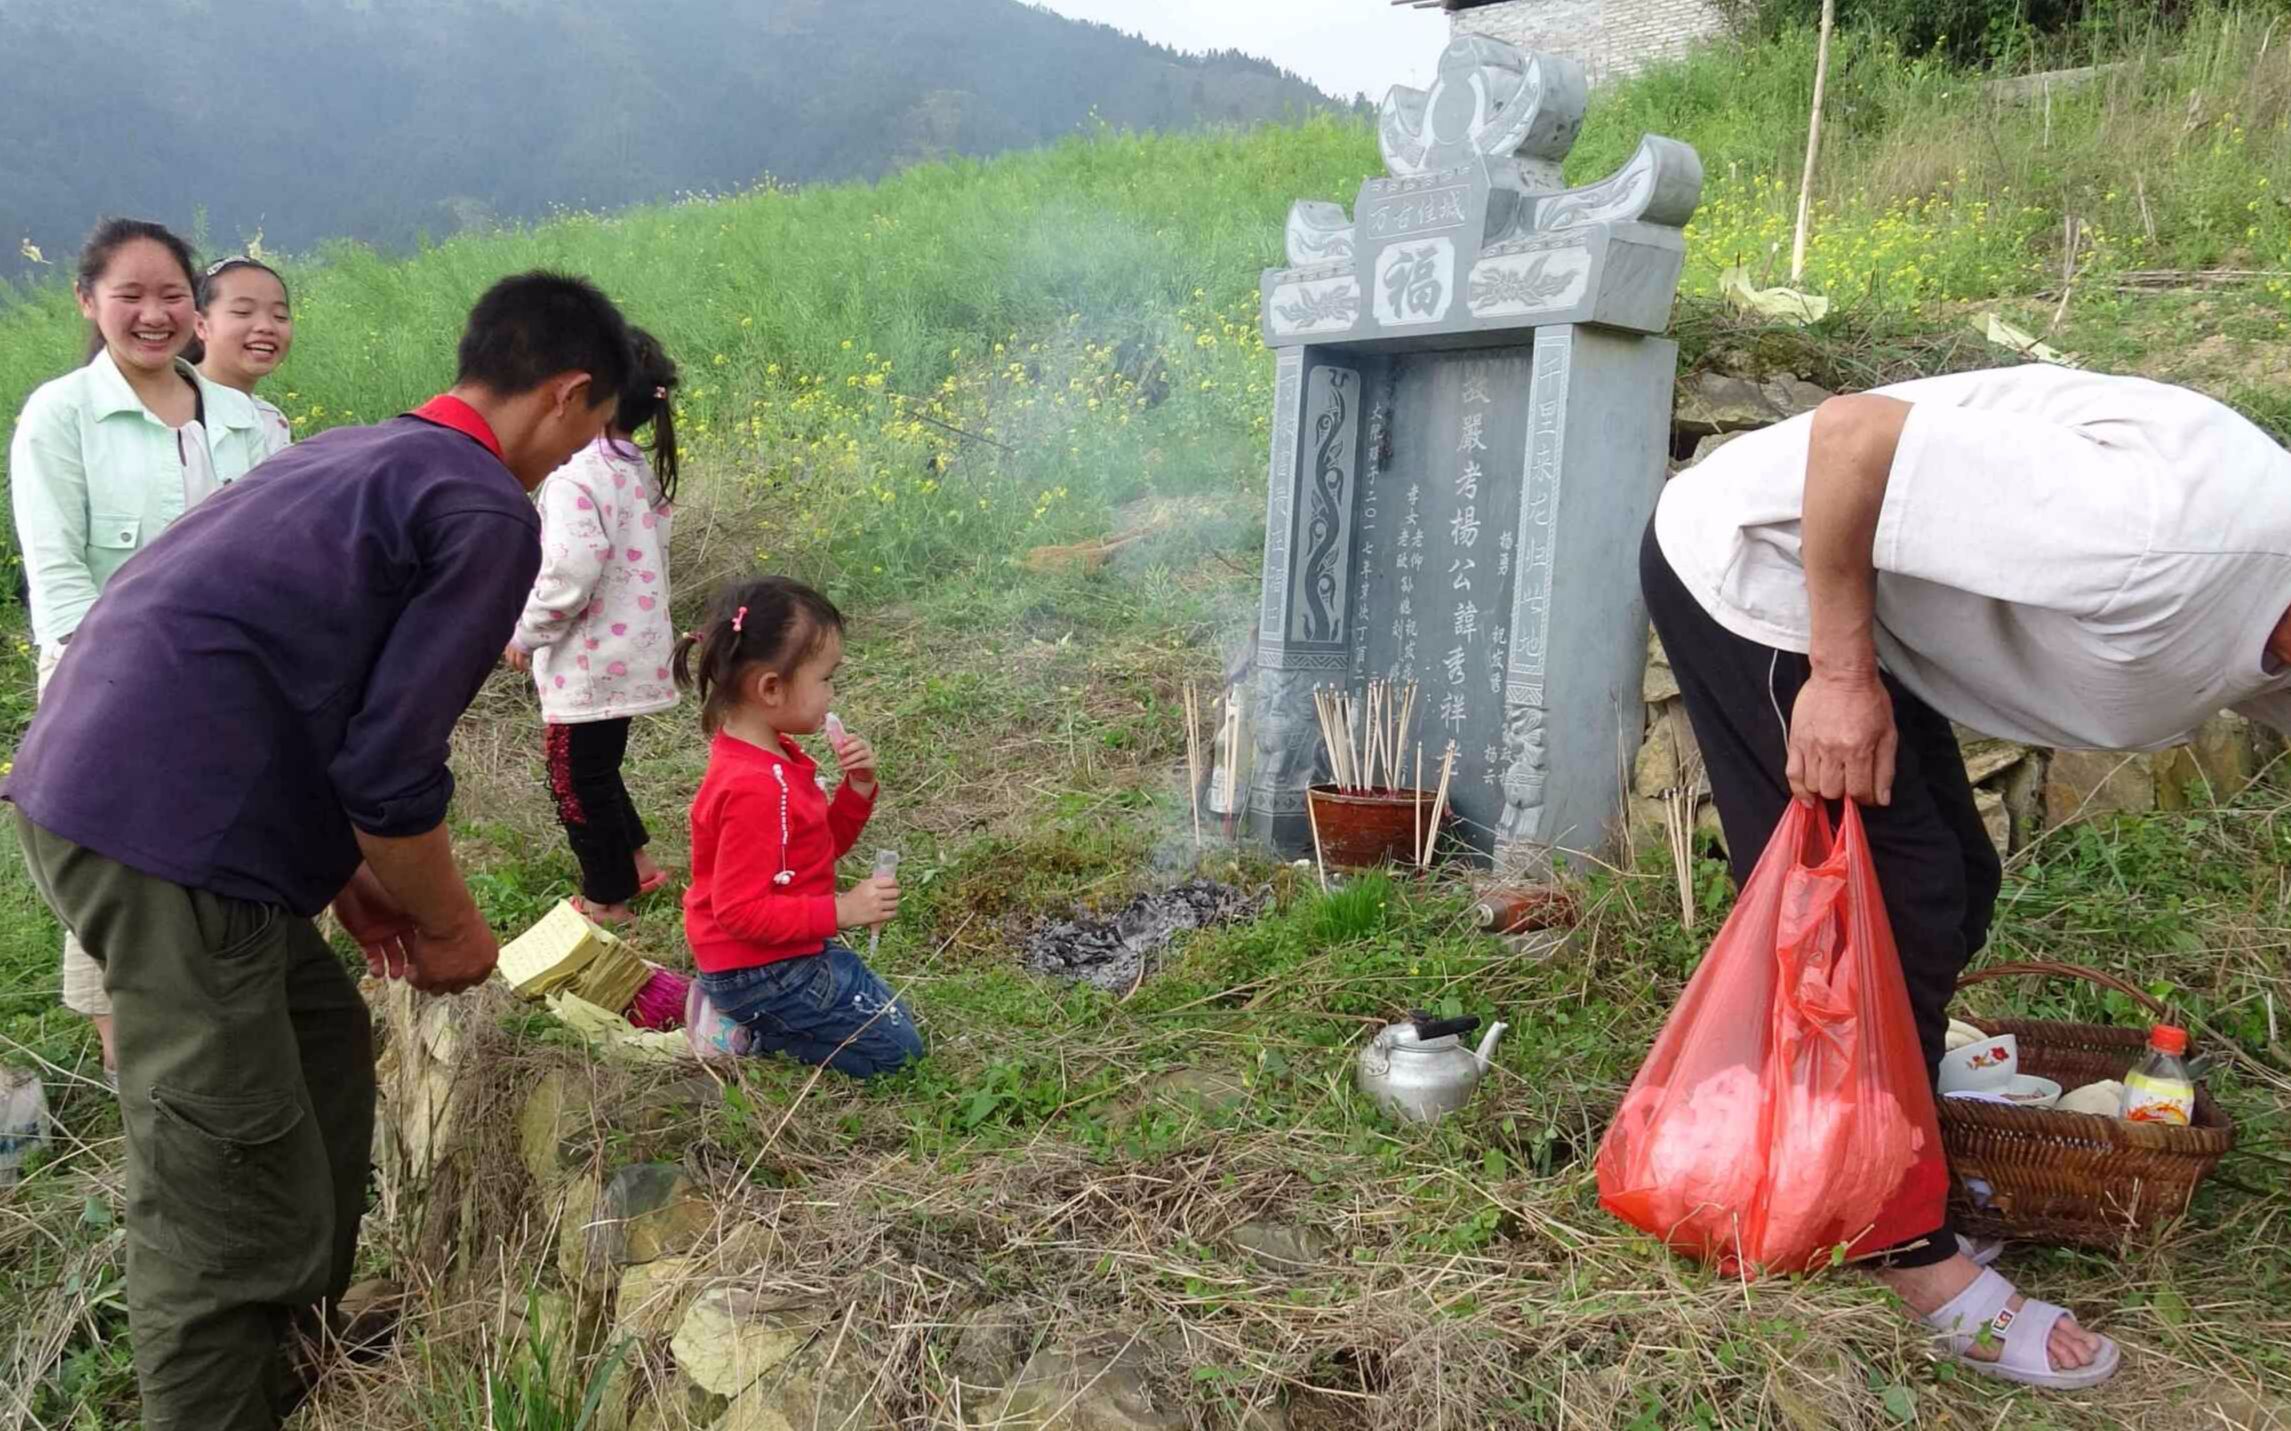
1439,806
1407,718
1193,758
1376,730
1328,739
1320,860
1232,753
1416,795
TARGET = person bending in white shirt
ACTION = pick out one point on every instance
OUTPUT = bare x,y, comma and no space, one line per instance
2056,557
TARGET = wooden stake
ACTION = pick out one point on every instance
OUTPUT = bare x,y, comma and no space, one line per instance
1814,141
1320,861
1439,806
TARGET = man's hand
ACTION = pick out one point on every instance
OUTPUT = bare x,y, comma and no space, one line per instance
872,901
453,960
379,924
857,758
518,657
1842,739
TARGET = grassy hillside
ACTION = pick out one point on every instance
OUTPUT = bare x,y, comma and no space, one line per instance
908,391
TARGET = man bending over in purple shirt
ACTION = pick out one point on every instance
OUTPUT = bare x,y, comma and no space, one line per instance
251,725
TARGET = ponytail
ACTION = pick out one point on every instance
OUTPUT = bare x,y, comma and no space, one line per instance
648,400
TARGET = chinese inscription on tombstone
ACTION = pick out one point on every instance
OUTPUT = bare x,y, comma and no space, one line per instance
1471,418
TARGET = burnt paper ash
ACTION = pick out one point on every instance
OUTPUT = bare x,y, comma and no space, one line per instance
1110,952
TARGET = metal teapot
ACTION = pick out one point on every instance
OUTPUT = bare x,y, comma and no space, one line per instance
1420,1071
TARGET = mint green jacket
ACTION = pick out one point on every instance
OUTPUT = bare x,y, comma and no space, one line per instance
94,477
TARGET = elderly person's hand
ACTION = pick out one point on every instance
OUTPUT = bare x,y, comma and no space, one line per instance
1842,740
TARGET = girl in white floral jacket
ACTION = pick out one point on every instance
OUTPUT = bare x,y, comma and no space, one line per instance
596,632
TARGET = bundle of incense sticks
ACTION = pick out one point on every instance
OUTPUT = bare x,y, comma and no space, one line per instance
1364,736
1439,806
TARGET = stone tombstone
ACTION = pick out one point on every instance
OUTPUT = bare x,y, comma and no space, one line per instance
1470,427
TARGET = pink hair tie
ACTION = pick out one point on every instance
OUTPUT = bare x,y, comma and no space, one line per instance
737,618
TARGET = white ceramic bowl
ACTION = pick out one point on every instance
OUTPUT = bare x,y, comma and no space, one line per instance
1989,1064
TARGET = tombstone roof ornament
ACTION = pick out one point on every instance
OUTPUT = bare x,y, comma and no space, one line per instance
1471,227
1471,416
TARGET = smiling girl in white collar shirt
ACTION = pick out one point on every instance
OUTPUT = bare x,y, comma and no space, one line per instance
105,457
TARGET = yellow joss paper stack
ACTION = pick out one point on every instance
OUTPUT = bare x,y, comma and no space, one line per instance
565,953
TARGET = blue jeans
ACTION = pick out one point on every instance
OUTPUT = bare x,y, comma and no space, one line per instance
824,1008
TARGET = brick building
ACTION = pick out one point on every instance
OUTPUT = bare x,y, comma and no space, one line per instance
1609,37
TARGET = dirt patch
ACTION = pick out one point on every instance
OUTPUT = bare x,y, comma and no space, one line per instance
1114,953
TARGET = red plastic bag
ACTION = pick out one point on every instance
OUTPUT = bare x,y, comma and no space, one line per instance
1784,1116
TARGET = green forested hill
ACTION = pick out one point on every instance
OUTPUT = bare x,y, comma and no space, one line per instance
390,120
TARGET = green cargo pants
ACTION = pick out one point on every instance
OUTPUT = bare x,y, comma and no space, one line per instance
246,1084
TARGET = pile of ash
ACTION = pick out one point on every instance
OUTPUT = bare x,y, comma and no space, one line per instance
1111,952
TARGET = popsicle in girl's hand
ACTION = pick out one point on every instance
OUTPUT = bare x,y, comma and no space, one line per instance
856,756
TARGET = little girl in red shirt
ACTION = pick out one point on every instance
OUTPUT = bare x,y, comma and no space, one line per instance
762,913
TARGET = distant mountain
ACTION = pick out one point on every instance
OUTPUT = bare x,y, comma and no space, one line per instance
392,120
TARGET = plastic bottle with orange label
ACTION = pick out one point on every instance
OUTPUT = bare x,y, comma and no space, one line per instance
2160,1090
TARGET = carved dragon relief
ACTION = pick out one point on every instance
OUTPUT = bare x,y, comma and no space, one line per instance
1329,491
1514,116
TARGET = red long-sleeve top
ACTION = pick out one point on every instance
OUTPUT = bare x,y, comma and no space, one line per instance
761,814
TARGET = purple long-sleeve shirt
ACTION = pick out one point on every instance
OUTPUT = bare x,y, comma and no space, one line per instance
284,666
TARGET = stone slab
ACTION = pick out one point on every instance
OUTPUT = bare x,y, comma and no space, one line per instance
2088,784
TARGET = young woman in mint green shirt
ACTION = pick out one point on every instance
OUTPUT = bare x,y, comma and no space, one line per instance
106,456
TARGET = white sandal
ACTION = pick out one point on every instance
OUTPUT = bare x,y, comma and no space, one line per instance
2022,1337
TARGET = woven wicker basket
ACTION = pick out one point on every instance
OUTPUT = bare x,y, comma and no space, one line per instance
2074,1178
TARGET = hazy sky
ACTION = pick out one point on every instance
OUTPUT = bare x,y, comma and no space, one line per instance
1344,46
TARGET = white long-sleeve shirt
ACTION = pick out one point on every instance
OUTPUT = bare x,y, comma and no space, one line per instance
597,624
2063,558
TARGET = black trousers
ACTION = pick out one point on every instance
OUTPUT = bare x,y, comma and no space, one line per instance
600,821
1939,872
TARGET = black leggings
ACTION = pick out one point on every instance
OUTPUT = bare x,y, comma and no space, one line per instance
1934,861
600,822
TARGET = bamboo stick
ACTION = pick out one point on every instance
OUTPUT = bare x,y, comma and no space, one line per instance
1400,722
1328,735
1352,738
1375,706
1232,749
1408,718
1320,860
1385,703
1814,141
1193,760
1439,805
1416,796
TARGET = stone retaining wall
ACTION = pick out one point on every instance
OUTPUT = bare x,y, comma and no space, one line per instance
1609,37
